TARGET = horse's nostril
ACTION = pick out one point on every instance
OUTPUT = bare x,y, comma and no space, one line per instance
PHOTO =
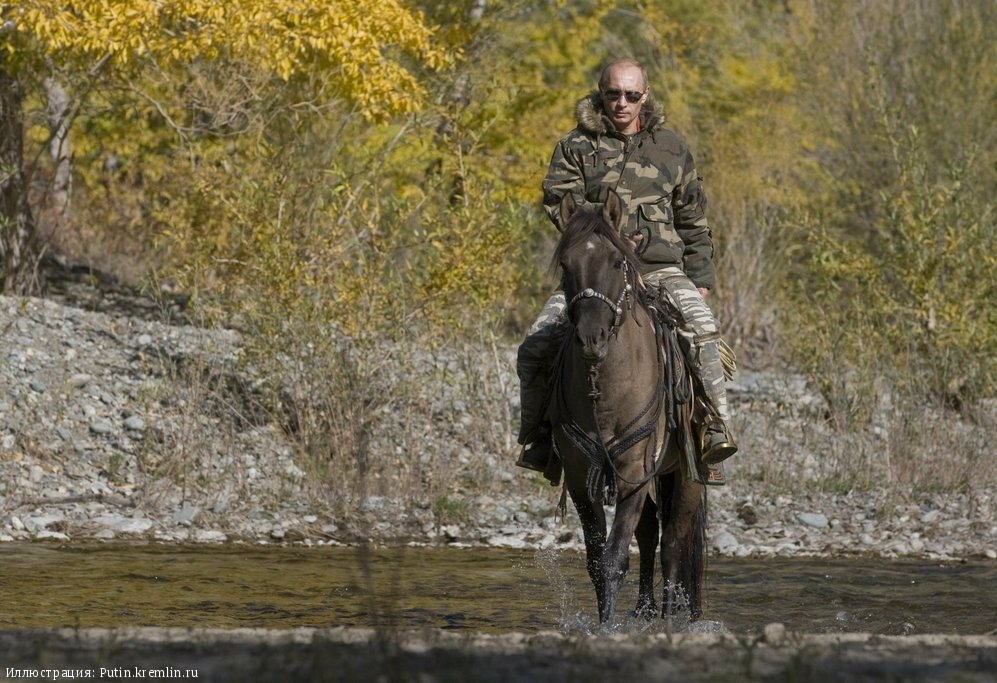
593,351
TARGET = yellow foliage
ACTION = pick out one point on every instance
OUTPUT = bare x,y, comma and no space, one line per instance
264,169
366,42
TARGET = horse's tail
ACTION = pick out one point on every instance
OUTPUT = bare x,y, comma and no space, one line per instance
697,560
686,517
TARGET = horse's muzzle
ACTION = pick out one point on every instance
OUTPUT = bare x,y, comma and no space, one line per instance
594,347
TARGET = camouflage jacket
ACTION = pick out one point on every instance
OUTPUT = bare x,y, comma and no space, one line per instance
652,171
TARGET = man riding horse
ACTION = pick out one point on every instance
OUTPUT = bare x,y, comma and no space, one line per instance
620,144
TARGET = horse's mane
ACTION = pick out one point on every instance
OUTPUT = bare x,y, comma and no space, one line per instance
583,224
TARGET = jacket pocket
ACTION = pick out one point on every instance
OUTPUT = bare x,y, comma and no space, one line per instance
661,244
656,213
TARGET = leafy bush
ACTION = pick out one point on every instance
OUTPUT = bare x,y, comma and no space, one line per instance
901,264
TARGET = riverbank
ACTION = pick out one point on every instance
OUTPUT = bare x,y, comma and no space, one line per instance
103,438
359,654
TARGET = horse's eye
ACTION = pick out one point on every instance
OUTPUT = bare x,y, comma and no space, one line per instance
619,263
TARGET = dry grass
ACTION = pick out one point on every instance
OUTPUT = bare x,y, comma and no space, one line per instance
793,442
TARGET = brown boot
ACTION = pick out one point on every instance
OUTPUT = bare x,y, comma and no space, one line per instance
715,441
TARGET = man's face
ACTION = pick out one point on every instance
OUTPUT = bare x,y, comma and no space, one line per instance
624,83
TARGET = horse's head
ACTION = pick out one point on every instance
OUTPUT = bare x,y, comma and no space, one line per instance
598,271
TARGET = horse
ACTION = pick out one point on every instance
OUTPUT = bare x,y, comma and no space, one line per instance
612,416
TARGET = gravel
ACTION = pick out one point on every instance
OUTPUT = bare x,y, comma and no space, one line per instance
100,441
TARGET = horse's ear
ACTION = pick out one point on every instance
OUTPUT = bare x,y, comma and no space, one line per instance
567,208
612,210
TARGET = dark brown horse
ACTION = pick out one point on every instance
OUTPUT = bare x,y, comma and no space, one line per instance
613,420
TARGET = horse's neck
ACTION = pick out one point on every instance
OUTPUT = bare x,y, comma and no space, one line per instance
630,366
623,387
636,336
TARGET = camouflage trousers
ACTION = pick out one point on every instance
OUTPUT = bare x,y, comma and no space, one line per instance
695,323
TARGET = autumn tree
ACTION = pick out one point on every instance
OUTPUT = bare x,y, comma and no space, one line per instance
371,51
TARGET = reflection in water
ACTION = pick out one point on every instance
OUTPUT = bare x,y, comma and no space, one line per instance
484,590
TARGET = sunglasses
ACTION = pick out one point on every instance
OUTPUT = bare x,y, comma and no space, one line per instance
633,96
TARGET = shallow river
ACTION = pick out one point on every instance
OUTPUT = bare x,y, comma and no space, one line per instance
486,590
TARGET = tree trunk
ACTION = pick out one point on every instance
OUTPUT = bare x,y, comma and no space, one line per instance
18,252
61,152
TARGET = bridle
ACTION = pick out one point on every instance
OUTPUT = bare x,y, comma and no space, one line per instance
620,305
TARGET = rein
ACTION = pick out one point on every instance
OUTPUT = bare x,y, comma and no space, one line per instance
602,455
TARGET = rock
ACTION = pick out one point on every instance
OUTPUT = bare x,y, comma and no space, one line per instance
209,536
46,535
724,543
373,503
135,423
79,380
775,634
37,523
186,514
125,525
507,541
812,519
101,426
748,514
930,517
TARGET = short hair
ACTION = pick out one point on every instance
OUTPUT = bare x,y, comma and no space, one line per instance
622,61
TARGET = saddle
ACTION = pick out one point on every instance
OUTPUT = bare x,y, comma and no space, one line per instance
685,407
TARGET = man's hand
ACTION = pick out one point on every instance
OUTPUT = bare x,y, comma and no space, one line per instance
635,239
705,292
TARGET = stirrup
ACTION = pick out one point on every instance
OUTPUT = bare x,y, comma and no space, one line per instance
715,446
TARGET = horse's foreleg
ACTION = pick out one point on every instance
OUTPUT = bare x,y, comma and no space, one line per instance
593,519
647,543
616,557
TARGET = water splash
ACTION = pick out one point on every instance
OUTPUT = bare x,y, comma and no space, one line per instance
577,603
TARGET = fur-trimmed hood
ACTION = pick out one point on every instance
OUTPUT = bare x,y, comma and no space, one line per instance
590,117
